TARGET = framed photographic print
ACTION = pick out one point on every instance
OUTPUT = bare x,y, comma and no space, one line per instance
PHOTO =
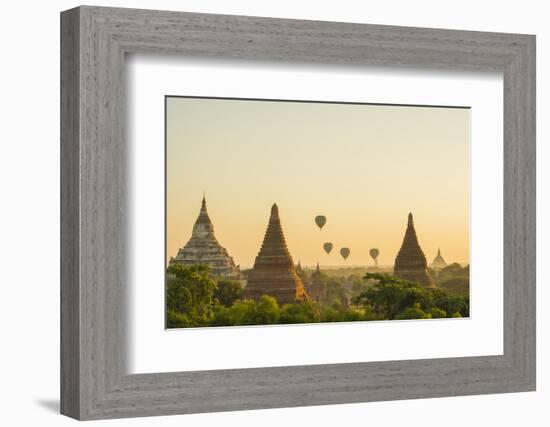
262,213
349,162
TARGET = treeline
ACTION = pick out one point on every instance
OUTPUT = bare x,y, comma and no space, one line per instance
453,278
194,298
394,298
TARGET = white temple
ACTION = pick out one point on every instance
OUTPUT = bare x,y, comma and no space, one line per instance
203,248
438,262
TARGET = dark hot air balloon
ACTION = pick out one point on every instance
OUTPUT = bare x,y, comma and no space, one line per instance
320,220
374,255
344,252
327,247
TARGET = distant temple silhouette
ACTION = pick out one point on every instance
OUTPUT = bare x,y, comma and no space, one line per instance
317,290
203,248
438,262
274,273
410,263
299,270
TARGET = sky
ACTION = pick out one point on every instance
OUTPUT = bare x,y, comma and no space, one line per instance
364,167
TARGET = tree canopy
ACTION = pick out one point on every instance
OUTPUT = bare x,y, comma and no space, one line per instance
395,298
228,291
189,296
196,298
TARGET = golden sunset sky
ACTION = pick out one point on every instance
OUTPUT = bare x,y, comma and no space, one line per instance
364,167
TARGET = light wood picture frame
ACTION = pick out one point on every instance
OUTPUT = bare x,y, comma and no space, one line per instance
94,42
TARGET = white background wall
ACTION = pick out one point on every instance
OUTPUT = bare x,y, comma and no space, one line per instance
29,212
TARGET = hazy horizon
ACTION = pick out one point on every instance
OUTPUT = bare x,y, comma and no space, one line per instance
364,167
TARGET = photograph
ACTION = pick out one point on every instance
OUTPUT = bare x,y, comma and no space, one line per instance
293,212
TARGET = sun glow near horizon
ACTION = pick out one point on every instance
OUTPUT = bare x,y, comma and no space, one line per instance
364,167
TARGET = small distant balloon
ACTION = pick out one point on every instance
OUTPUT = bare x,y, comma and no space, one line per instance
374,254
345,253
320,220
327,247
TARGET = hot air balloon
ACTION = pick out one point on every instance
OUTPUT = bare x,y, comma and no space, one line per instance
344,252
327,247
374,254
320,220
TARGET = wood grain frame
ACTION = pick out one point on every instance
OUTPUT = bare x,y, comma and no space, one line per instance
94,42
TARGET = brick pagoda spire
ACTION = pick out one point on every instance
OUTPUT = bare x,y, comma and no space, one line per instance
410,263
274,273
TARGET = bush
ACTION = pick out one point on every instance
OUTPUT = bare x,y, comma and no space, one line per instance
189,296
240,313
414,312
457,286
175,319
267,311
299,313
248,312
337,313
331,314
453,304
437,313
228,291
394,298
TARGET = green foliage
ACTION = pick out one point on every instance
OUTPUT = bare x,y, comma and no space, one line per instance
358,285
267,311
414,312
454,271
175,319
394,298
334,288
456,285
228,291
248,312
189,296
299,313
331,314
240,313
337,313
452,303
194,298
391,295
437,313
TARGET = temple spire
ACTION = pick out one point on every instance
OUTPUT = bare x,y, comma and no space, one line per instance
203,248
274,272
203,224
410,240
300,270
438,262
316,290
410,263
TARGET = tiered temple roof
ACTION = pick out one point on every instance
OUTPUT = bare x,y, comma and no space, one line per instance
203,248
410,263
274,273
438,262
